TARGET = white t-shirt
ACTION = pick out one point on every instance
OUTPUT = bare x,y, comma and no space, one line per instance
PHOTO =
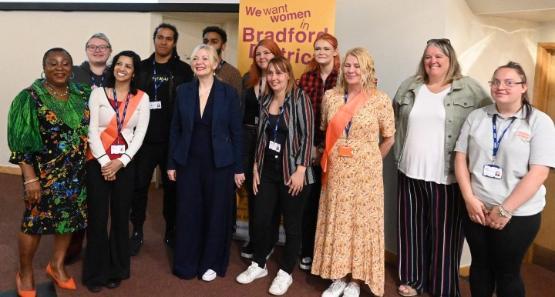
423,152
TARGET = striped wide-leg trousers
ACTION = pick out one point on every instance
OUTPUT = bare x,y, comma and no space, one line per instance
430,235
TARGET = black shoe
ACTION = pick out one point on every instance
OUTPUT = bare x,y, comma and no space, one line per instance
306,263
114,283
169,238
247,251
135,243
94,289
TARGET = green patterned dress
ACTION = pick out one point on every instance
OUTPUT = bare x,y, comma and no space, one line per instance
51,135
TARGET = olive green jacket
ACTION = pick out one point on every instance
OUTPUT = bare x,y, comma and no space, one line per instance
465,96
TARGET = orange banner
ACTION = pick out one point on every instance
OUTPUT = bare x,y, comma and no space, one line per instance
292,24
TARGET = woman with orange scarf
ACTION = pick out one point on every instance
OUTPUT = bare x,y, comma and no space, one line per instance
349,247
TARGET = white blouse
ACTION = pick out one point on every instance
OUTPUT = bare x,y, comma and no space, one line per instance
102,113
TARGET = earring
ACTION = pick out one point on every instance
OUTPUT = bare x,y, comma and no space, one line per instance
42,75
72,77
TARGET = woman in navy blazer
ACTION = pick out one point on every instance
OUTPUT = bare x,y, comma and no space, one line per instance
205,160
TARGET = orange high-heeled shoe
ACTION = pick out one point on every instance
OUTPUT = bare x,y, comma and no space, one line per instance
69,284
23,293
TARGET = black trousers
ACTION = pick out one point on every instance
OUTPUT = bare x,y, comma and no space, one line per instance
497,255
273,195
310,215
249,148
147,158
107,254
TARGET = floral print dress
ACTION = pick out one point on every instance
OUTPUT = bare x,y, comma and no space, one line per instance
59,164
350,227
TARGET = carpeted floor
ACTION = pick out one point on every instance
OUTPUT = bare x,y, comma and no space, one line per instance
151,269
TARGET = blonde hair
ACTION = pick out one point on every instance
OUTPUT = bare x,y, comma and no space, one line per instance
367,70
444,45
212,54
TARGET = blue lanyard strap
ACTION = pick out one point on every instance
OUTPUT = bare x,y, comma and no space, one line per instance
497,142
348,127
158,83
116,109
281,109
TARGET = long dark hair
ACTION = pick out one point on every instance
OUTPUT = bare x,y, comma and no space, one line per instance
175,37
111,81
525,98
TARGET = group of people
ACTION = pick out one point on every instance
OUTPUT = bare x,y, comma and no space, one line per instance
309,153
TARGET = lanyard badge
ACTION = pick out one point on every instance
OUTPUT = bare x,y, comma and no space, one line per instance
274,145
119,148
493,170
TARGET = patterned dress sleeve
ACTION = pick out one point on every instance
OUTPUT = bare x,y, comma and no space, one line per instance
24,137
386,116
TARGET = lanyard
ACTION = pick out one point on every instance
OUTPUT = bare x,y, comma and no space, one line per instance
158,83
116,109
348,127
281,109
497,142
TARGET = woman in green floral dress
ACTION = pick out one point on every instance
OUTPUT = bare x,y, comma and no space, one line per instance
47,136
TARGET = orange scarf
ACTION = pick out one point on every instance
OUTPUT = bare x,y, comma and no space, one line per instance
111,132
337,125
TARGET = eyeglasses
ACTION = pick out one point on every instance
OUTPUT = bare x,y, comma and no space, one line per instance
101,48
439,40
508,83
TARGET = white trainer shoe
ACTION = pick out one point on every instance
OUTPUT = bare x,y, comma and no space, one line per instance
335,289
352,290
209,275
252,273
281,283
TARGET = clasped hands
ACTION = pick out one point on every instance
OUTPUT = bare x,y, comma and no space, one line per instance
110,169
480,214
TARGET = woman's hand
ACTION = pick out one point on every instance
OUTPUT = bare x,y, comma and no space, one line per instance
477,211
296,182
172,175
494,219
255,180
32,192
239,179
110,169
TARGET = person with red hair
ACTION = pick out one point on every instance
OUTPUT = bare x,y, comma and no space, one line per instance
320,76
254,85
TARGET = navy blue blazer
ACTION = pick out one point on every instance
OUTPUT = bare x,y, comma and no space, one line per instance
227,129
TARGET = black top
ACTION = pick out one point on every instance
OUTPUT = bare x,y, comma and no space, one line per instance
278,136
201,141
83,74
167,77
252,108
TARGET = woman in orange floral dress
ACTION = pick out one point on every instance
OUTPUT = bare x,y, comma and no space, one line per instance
349,247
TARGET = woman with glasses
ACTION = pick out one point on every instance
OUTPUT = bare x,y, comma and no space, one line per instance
430,108
501,180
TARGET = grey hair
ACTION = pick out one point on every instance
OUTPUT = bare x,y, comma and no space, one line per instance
99,36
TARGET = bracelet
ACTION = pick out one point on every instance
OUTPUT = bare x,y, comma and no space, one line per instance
30,181
504,213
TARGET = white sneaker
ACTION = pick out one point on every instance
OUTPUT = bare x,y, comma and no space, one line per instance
352,290
209,275
335,289
252,273
281,283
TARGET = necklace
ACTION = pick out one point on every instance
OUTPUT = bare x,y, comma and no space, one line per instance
57,94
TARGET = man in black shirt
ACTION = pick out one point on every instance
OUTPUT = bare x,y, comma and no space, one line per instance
159,76
93,72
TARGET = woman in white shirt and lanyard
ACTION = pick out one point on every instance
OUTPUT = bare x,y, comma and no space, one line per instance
503,156
114,138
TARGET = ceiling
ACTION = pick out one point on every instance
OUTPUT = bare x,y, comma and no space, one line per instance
530,10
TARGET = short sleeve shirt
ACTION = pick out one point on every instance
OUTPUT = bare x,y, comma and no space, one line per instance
526,142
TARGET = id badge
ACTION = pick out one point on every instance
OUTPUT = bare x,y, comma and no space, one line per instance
155,104
117,149
493,171
274,146
256,120
345,151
